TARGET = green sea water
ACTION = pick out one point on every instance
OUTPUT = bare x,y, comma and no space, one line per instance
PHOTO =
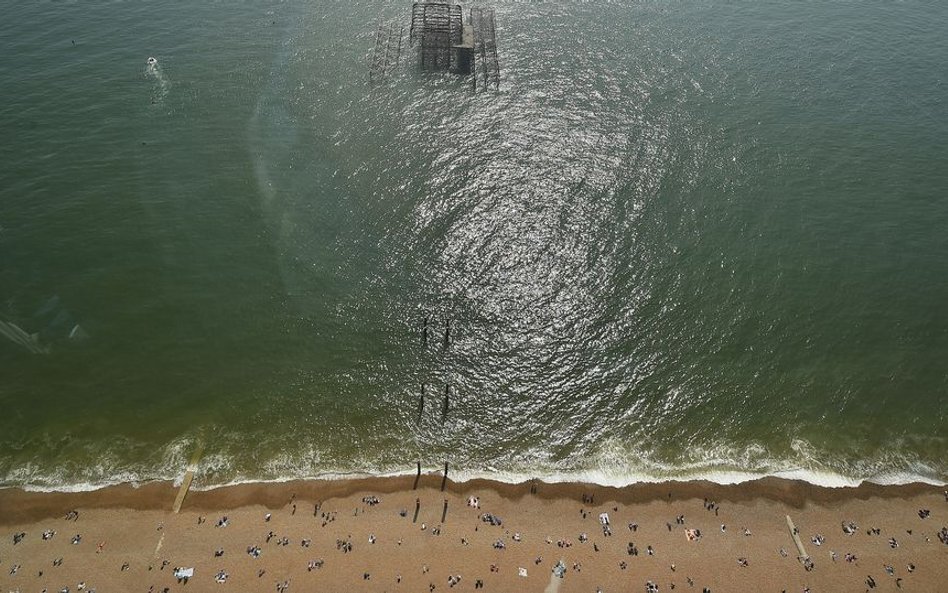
682,239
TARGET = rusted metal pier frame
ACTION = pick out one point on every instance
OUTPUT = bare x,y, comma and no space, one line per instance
487,64
436,26
388,49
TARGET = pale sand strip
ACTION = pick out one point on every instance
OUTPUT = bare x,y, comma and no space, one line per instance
794,533
555,582
186,481
182,491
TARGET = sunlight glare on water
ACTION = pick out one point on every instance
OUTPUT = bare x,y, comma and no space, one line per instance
678,241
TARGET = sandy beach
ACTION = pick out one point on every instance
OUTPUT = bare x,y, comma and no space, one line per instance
382,534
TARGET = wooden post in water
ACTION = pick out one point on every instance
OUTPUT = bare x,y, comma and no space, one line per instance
444,408
417,477
444,478
421,402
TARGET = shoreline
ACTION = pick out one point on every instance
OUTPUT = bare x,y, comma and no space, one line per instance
19,504
723,477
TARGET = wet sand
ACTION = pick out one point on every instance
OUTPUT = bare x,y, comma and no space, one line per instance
330,523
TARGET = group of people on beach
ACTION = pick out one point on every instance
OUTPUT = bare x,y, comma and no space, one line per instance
745,560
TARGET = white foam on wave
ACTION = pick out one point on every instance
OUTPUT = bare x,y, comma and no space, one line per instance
154,71
605,471
622,479
824,479
32,479
614,464
109,466
308,464
328,475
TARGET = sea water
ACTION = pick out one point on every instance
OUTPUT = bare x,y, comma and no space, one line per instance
682,239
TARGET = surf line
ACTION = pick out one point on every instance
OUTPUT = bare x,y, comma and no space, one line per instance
186,481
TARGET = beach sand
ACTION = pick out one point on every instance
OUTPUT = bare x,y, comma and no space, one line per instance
142,541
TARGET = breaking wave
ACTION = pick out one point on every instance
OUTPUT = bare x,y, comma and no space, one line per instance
613,464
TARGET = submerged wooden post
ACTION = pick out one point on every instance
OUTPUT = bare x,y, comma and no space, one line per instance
417,477
444,478
444,409
421,402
